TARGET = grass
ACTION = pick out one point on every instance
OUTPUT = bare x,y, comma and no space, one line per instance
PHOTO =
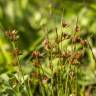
56,69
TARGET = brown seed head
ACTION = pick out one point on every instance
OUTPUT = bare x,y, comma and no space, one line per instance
12,35
77,29
66,54
75,39
45,79
16,52
73,61
77,55
66,36
64,24
36,63
36,54
83,42
35,74
46,44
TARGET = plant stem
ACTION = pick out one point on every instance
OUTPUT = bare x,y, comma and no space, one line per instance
20,69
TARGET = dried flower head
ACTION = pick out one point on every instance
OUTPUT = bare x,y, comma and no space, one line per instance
77,55
36,63
12,35
77,28
64,24
35,74
83,42
66,36
36,54
16,52
75,39
46,44
45,79
73,61
66,54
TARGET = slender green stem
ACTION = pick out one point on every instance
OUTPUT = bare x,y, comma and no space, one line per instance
20,68
30,92
66,83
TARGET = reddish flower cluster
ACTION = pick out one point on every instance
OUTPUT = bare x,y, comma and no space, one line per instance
16,52
75,57
12,35
36,62
36,54
46,44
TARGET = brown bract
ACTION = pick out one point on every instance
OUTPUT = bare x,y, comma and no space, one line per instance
36,63
46,44
75,39
77,55
77,28
12,35
66,54
35,74
45,79
16,52
66,36
36,54
64,24
73,61
83,42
